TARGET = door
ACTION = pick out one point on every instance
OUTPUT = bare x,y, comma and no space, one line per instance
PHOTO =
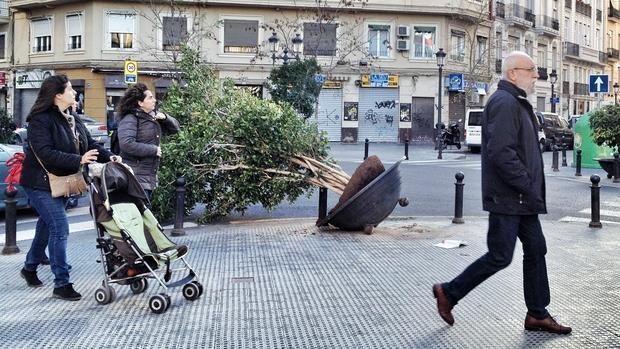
330,113
540,104
422,117
379,114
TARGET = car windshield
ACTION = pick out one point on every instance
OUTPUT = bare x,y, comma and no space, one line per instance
475,118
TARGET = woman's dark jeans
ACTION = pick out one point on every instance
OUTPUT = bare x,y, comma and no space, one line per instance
501,239
52,230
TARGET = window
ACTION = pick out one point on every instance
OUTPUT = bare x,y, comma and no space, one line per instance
41,35
240,36
554,58
513,43
320,39
567,28
174,32
121,30
74,27
541,58
482,49
424,42
2,46
529,47
379,40
458,46
498,45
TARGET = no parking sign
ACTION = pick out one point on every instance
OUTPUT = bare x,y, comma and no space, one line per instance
131,72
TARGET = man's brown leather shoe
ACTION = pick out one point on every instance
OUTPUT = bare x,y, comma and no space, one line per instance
548,325
443,304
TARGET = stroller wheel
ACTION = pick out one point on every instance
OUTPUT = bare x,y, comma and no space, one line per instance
199,287
191,291
139,286
159,303
168,301
105,295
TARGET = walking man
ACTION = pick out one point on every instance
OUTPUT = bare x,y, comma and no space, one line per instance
513,192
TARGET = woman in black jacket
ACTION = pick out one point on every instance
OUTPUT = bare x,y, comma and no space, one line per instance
139,134
61,142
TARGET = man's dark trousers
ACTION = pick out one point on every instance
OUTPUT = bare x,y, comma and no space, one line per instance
501,240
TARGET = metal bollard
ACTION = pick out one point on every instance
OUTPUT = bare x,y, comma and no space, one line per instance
10,227
180,207
322,203
366,148
578,164
616,167
554,163
564,164
596,202
458,198
406,149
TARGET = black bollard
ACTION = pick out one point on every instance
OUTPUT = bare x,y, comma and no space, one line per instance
366,148
458,198
180,207
578,164
10,226
406,149
616,167
554,163
564,164
596,202
322,203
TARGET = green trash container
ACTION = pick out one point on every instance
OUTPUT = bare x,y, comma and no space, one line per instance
589,150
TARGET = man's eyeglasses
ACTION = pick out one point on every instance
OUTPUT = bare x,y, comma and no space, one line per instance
531,70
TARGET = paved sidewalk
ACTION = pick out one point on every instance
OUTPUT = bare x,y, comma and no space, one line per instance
290,285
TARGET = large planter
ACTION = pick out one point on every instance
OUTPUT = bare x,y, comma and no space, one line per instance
607,165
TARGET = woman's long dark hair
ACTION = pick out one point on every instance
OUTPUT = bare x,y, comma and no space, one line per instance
129,102
51,86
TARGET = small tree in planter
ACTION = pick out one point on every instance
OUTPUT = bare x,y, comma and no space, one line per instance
605,125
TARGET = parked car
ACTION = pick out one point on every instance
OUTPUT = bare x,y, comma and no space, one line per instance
98,130
556,130
6,152
473,129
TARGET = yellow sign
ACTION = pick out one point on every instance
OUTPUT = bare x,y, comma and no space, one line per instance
379,80
131,72
332,84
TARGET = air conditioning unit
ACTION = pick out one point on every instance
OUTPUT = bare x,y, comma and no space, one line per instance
402,45
403,31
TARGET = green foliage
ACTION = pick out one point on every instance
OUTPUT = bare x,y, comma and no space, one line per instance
7,126
234,149
605,125
294,84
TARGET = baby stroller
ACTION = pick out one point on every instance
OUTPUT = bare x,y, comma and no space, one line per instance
132,243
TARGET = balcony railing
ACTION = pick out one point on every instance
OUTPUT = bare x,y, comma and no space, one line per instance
583,8
581,89
549,22
568,3
571,49
613,13
498,65
565,87
523,13
602,57
613,53
599,15
500,9
542,73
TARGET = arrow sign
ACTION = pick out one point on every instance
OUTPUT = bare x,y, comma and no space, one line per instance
599,83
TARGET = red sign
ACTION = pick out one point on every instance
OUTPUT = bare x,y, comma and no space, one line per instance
2,79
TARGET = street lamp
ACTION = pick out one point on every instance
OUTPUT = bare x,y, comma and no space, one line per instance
441,56
616,88
273,45
553,78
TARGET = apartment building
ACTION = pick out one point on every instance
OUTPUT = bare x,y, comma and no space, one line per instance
612,39
4,54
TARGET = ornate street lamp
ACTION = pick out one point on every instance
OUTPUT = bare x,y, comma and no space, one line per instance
273,46
441,56
553,78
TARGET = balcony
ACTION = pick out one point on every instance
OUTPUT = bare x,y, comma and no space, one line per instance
565,88
500,9
581,89
583,8
542,73
546,25
568,4
520,16
602,57
571,49
613,14
613,54
498,66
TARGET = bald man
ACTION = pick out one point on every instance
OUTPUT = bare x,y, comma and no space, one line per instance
513,192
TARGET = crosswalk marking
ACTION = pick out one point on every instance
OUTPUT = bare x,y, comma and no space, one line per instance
78,211
612,213
585,220
609,209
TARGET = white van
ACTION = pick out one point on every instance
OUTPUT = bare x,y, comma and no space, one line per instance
473,129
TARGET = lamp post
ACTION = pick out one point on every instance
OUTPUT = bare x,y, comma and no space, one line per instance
553,78
441,56
616,88
273,45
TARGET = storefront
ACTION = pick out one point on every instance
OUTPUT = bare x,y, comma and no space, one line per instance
379,111
329,114
27,84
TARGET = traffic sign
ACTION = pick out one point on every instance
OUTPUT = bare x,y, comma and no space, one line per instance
131,72
455,82
555,100
319,78
599,83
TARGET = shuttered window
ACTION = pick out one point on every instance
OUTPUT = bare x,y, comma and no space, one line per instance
41,35
121,29
240,36
174,32
320,39
74,25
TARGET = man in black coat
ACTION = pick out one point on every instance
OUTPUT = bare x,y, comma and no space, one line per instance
513,192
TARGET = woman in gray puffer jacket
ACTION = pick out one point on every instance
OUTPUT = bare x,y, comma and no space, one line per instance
139,133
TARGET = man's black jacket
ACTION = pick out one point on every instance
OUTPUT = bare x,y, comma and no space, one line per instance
513,179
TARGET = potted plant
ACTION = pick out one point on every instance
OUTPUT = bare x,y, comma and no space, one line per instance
605,126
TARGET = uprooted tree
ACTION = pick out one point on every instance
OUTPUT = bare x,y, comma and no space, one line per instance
236,150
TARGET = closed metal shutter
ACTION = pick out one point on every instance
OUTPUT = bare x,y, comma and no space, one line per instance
378,114
330,113
28,97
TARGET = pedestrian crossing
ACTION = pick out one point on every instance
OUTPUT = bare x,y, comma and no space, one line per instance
609,212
